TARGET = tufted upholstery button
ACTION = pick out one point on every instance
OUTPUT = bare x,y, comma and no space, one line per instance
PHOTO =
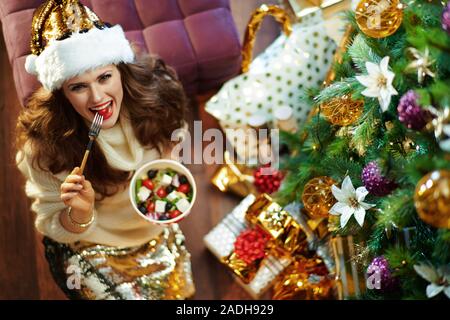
196,37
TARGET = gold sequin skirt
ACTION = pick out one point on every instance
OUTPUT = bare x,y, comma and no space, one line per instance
158,269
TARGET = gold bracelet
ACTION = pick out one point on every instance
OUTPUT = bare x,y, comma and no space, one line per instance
77,224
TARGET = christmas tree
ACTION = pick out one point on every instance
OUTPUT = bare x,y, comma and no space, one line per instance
374,156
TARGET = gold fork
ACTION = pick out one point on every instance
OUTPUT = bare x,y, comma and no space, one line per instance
93,133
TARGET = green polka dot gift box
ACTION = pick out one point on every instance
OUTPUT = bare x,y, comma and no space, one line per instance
277,78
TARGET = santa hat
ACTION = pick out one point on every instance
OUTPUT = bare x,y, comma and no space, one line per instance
68,39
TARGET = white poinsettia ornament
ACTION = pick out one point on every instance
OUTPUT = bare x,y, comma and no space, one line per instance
441,126
439,278
378,82
350,202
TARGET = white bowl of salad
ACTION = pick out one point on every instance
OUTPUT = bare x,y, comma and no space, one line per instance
163,191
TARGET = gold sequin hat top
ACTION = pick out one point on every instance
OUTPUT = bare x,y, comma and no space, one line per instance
68,39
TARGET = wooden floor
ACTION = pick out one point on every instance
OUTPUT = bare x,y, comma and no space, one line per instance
23,270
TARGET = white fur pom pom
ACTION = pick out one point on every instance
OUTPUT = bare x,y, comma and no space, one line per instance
30,64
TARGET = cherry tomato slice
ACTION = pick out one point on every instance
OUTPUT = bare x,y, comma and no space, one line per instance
151,206
184,188
161,192
174,213
148,184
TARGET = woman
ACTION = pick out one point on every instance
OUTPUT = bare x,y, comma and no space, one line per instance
96,246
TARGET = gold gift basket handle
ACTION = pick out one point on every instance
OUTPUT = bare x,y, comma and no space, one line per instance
253,26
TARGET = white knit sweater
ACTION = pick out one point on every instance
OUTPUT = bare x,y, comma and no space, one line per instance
116,223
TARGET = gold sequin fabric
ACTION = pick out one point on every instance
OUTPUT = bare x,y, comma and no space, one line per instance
55,21
159,269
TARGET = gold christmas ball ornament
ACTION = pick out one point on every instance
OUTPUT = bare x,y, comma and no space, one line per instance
432,198
342,111
379,18
317,197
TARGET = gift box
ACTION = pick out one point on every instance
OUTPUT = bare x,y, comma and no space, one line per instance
304,279
235,178
257,220
303,9
350,275
220,240
243,180
268,94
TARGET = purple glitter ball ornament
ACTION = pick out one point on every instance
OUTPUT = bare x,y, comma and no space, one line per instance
410,113
374,182
446,18
380,275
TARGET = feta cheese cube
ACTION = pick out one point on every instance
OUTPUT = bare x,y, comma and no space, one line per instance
160,206
176,181
166,180
183,205
172,196
143,193
176,194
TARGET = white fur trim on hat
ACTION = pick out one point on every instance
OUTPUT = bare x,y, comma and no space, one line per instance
64,59
30,64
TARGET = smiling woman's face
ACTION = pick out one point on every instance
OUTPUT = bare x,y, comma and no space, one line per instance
99,90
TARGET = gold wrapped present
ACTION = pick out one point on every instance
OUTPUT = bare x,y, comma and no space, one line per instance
285,238
244,180
286,232
245,271
350,276
234,178
266,275
304,279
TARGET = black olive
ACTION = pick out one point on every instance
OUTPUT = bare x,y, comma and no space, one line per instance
168,206
142,208
183,179
152,173
169,189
